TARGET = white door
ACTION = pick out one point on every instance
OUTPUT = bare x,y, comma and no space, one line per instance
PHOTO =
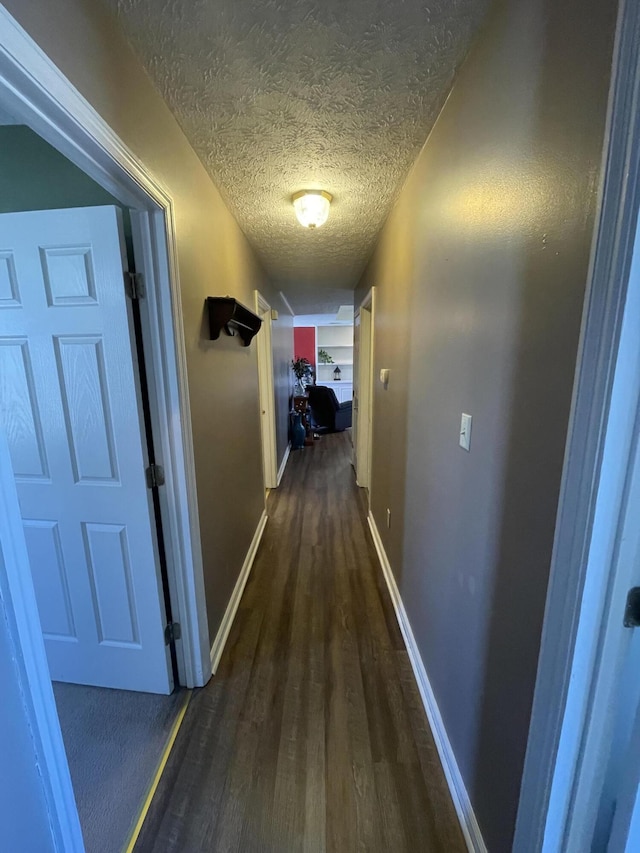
619,811
363,426
70,406
597,766
264,353
617,825
355,405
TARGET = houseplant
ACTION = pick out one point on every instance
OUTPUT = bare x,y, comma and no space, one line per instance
324,357
303,372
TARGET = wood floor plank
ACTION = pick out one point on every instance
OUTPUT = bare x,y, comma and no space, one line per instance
312,736
393,831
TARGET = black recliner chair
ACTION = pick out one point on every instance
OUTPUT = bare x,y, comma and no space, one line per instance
327,413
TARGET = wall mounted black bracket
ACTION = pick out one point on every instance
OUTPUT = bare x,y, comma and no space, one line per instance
227,313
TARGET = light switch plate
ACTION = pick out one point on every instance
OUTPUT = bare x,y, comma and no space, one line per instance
465,432
384,376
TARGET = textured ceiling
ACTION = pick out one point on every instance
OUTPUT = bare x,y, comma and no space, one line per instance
281,95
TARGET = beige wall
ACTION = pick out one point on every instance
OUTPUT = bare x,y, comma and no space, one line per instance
214,259
481,271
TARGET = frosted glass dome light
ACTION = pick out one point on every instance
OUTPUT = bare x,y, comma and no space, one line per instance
312,207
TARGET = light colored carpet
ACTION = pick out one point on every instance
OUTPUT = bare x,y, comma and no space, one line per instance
114,741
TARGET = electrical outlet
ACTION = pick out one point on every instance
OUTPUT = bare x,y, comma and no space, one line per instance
388,517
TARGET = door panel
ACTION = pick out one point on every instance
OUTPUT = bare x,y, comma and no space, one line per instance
86,407
70,404
21,416
50,579
9,294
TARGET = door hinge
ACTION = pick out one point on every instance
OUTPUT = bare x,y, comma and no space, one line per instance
632,608
155,476
134,285
172,633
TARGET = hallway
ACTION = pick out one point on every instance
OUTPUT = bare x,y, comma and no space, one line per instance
312,734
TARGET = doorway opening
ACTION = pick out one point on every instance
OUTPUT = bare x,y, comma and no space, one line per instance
363,390
75,408
27,84
266,393
581,782
599,747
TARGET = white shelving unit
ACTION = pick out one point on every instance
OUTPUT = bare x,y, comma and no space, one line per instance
336,341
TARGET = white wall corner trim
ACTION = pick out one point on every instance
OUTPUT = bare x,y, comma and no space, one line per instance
457,789
283,464
287,305
234,602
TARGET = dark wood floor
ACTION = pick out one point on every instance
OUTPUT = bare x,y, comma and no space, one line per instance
312,736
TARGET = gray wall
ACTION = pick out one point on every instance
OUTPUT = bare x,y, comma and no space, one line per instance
214,258
481,272
34,176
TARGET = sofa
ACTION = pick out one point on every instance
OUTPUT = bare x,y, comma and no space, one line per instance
327,414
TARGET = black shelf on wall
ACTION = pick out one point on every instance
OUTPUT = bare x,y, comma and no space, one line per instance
227,313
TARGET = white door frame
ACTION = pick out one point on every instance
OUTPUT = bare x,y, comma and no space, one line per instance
602,639
33,89
364,401
267,402
18,605
568,690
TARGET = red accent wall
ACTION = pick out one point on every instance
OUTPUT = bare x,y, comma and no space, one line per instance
304,343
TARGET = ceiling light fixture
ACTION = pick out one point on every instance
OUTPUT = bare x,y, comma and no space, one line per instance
312,207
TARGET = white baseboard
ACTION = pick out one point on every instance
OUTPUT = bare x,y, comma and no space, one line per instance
230,613
283,464
459,795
